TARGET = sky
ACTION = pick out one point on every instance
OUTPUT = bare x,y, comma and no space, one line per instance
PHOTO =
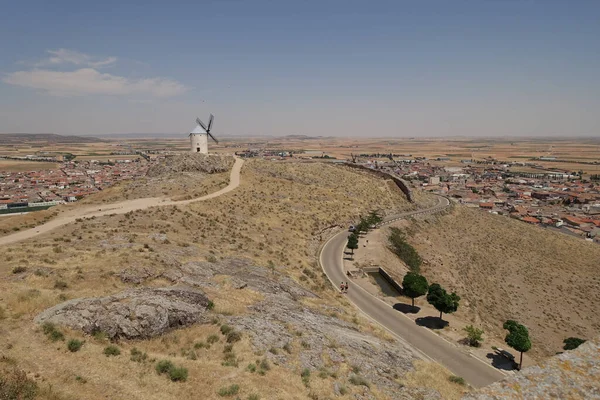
331,68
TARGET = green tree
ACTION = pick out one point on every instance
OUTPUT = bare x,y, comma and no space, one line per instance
474,335
374,218
407,253
517,338
362,226
352,242
572,343
441,300
414,285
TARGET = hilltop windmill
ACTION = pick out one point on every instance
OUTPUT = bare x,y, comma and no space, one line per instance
199,136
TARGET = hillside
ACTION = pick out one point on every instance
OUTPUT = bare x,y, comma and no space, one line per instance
228,288
185,176
505,269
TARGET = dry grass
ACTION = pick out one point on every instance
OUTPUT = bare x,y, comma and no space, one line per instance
504,269
10,224
433,375
25,166
274,218
182,187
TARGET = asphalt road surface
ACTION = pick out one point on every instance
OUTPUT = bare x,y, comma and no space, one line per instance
476,372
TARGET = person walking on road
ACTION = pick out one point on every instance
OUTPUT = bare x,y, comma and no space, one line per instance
342,287
346,288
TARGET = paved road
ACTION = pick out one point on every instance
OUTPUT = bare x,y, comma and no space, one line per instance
473,370
119,208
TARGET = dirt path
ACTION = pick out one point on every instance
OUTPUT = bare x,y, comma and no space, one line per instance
119,208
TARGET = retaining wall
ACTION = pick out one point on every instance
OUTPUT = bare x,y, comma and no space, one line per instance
399,182
385,275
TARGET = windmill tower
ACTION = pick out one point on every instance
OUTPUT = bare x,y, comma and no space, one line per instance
199,136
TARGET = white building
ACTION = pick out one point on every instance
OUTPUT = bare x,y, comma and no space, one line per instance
199,140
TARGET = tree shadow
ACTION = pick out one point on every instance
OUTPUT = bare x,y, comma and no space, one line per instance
431,322
349,258
406,308
501,362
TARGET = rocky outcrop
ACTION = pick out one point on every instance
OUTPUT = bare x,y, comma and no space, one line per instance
243,274
326,337
137,313
282,319
191,162
572,375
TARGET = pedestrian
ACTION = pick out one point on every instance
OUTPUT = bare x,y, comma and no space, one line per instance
342,287
346,288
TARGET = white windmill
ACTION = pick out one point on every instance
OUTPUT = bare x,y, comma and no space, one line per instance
199,136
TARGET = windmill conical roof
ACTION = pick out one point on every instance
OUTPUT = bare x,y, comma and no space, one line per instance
198,129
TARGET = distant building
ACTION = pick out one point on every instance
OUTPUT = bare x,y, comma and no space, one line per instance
540,195
434,180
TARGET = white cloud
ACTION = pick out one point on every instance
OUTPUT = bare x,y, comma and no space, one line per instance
86,81
66,56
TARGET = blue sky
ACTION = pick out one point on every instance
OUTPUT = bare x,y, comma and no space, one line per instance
343,68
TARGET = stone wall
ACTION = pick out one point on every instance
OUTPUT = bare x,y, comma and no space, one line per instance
399,182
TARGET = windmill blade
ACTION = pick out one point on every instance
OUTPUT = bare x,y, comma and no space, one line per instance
201,124
210,122
212,137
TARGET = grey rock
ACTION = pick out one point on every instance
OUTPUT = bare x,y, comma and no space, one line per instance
281,316
136,275
574,374
242,272
137,313
337,389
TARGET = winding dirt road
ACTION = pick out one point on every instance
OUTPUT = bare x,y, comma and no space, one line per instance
432,346
119,208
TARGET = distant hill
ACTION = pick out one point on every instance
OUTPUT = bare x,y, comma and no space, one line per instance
305,137
19,138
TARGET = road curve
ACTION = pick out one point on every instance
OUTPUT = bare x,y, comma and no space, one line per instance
459,362
119,208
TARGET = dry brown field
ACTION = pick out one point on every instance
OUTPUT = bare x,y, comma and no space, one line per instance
24,166
456,149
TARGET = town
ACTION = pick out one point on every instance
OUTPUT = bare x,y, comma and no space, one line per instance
73,180
553,199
